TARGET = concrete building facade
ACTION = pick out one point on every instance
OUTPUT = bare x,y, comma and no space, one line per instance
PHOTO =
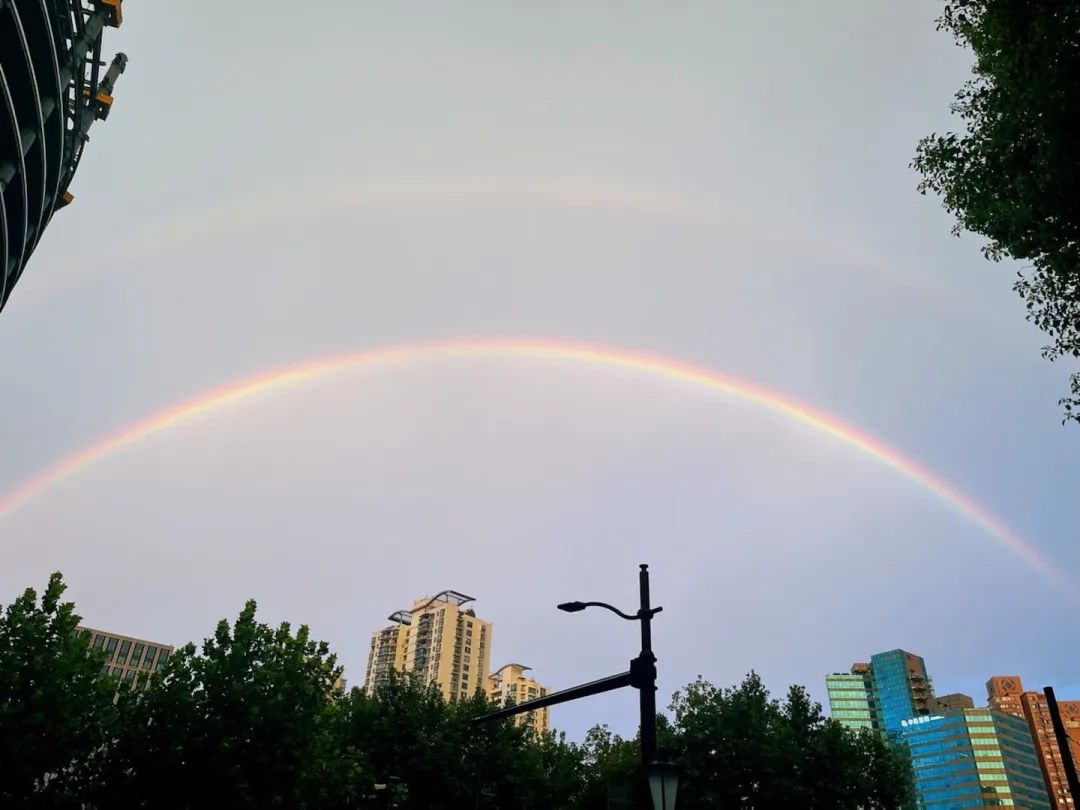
130,660
1007,693
439,640
509,684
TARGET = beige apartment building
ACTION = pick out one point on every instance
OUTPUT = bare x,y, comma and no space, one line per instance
130,660
509,684
1006,692
439,640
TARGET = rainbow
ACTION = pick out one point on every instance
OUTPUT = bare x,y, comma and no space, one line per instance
664,368
262,211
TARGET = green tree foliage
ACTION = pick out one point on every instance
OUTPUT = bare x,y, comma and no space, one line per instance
55,706
248,721
442,760
1013,174
741,748
254,718
612,765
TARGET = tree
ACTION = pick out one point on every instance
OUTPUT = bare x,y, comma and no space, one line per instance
1013,175
406,730
248,722
741,748
255,719
55,701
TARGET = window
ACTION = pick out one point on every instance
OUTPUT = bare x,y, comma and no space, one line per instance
136,654
116,671
163,656
110,646
99,640
121,657
129,675
148,661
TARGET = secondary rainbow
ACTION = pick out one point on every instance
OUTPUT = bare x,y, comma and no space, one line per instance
662,367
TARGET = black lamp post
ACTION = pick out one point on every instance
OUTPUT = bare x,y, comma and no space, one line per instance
642,668
641,676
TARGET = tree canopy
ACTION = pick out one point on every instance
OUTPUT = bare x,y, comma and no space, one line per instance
55,702
255,717
1012,174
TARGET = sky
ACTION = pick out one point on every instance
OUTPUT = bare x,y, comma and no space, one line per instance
722,184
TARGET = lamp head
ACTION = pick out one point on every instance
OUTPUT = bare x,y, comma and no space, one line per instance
572,607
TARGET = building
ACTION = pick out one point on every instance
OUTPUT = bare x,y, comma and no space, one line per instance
1003,692
1006,692
51,91
974,758
901,686
1070,718
440,641
956,700
385,655
129,660
891,688
851,697
510,685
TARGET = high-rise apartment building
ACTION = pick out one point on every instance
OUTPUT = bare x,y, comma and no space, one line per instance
974,758
1007,693
439,640
1070,718
891,688
129,660
1003,692
386,654
509,684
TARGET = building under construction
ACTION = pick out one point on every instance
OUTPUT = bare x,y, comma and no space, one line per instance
53,86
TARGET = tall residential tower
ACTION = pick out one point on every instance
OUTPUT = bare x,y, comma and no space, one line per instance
439,640
1006,693
509,684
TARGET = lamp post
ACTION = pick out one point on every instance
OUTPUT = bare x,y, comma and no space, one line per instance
641,676
642,668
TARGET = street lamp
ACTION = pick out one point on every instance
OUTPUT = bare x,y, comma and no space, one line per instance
641,676
642,668
663,784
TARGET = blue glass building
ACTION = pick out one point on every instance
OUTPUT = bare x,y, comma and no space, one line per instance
901,687
881,694
974,758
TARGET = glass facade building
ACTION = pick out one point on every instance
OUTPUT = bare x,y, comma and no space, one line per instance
901,687
851,698
879,695
974,758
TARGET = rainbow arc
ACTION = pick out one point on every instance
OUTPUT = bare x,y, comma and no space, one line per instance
662,368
